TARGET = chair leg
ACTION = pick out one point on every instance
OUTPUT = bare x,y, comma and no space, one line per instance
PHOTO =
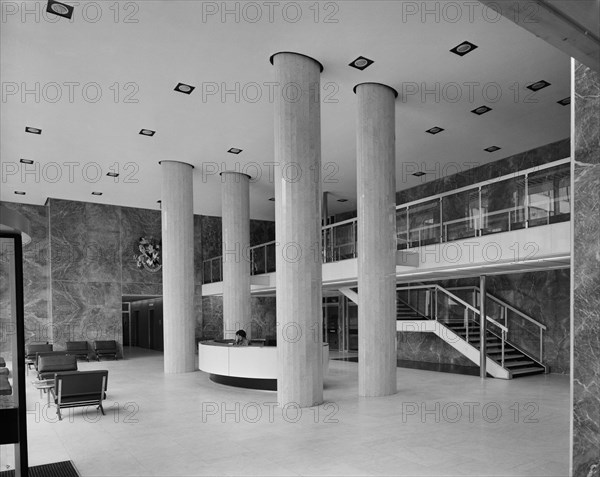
58,412
101,409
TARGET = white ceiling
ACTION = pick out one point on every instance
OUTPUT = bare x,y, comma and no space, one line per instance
172,42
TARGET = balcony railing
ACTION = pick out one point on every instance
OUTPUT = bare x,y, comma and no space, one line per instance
528,198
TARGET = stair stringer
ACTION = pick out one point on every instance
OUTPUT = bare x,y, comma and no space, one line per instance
454,340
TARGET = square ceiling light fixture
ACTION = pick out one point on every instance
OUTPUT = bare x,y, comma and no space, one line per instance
492,149
33,130
184,88
60,9
361,63
464,48
538,85
435,130
234,150
147,132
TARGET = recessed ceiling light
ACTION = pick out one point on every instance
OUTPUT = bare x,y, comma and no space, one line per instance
235,150
96,193
26,161
272,199
147,132
361,63
419,174
33,130
435,130
184,88
342,200
565,101
492,149
464,48
60,9
481,110
538,85
18,192
159,201
112,174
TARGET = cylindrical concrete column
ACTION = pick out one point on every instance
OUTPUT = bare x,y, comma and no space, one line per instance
235,206
376,184
177,216
298,230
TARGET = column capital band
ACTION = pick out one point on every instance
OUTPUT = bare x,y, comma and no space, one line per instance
380,84
272,57
178,162
235,172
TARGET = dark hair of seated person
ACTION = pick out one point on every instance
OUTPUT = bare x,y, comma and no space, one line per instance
240,338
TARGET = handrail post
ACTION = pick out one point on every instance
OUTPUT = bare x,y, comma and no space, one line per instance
541,345
482,327
436,303
503,338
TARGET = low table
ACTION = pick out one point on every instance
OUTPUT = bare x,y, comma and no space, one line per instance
45,385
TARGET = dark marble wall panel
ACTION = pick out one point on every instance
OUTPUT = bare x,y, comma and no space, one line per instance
585,173
427,347
541,155
36,279
85,241
212,245
212,317
86,311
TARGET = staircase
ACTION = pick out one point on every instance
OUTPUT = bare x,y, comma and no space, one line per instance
516,361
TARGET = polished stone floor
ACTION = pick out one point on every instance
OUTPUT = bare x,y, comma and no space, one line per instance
437,424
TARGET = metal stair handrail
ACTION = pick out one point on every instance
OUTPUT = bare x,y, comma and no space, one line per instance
437,288
455,298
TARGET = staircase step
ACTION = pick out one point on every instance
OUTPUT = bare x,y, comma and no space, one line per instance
526,371
513,364
507,356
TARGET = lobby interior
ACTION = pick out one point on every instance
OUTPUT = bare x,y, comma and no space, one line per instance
171,125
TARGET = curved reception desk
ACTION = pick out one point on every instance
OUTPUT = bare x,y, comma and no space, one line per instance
251,366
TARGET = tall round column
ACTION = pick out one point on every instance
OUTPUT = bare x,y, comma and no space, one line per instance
376,183
298,229
177,216
235,198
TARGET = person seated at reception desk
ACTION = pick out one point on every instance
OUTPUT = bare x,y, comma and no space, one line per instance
240,339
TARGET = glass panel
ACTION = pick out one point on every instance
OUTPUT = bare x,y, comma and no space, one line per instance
258,256
344,242
460,214
401,229
424,223
270,257
549,195
503,206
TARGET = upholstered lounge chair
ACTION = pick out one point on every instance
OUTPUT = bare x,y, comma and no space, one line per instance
78,349
32,349
80,388
48,365
106,348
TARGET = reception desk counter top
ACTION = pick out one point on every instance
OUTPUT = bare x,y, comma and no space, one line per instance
222,360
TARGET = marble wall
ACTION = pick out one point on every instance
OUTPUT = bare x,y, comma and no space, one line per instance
81,262
585,292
